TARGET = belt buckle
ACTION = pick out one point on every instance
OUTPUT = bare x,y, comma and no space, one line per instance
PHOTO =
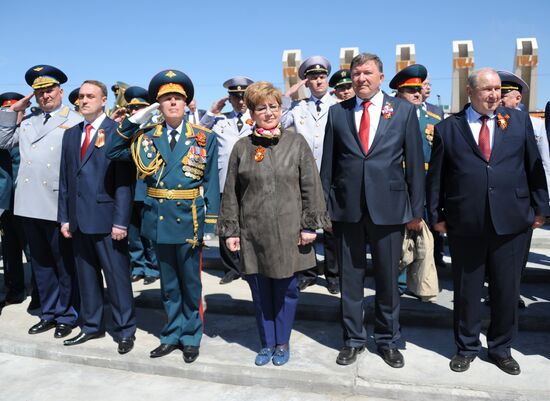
170,194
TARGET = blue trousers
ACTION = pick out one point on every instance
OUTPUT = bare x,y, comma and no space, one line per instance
181,288
275,302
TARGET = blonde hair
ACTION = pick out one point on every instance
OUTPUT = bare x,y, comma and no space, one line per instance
259,92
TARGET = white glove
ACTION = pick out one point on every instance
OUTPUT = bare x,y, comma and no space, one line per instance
144,115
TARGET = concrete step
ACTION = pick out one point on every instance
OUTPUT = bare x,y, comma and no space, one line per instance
230,343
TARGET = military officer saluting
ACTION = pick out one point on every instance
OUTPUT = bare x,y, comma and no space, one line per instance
309,118
73,98
178,162
229,128
39,136
341,82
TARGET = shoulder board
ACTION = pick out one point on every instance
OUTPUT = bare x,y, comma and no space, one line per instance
433,115
201,128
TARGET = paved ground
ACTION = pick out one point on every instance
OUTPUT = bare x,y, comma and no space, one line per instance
225,367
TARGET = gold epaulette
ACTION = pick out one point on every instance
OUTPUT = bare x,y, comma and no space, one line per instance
433,115
201,128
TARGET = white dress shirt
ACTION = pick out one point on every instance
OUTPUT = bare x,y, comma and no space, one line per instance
170,129
375,110
474,121
95,126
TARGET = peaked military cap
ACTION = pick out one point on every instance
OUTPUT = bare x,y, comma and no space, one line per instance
314,64
510,82
44,76
73,97
340,77
413,75
136,95
171,81
237,85
9,98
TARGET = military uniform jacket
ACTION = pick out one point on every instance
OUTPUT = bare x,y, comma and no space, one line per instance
227,133
268,202
308,122
427,121
191,165
37,183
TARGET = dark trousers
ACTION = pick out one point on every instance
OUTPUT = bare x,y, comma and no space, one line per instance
13,245
500,257
330,268
94,254
52,262
385,244
142,253
181,289
275,302
439,247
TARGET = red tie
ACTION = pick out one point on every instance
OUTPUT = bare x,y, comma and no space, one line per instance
364,127
484,139
86,142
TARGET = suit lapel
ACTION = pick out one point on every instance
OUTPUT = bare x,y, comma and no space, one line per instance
382,123
55,121
466,132
498,134
92,147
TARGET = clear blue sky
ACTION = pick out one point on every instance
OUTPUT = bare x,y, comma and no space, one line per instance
212,41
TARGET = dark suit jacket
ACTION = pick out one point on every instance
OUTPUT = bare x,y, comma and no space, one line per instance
95,193
353,181
547,119
435,109
461,184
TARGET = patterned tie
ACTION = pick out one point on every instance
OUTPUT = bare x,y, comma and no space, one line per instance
318,104
86,142
484,138
173,140
364,126
46,117
239,122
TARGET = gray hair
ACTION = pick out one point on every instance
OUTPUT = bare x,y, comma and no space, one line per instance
474,75
362,58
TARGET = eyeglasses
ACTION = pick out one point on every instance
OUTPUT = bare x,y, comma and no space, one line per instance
263,109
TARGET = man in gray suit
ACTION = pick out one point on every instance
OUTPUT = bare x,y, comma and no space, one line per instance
39,136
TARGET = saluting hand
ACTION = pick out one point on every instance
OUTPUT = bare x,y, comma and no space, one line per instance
145,114
118,233
23,103
233,244
294,88
218,105
306,238
119,114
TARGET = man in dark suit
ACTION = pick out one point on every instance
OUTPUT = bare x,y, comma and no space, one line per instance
95,201
485,188
373,178
194,115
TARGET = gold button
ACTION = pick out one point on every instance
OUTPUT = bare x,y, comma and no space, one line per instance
178,203
178,220
161,218
33,146
161,200
26,180
48,165
179,185
29,162
44,182
161,184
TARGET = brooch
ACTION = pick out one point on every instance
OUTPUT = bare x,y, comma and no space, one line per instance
100,140
502,121
387,111
201,139
259,154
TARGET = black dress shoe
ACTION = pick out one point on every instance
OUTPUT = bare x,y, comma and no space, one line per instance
82,337
461,363
62,330
521,304
392,357
149,280
348,355
306,282
190,353
42,326
137,277
229,277
508,365
333,286
125,345
162,350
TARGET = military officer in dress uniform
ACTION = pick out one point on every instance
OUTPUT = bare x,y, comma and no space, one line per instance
178,162
426,91
341,82
36,196
309,117
13,239
73,98
229,128
142,253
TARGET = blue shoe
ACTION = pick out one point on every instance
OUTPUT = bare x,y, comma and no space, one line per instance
264,356
281,356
